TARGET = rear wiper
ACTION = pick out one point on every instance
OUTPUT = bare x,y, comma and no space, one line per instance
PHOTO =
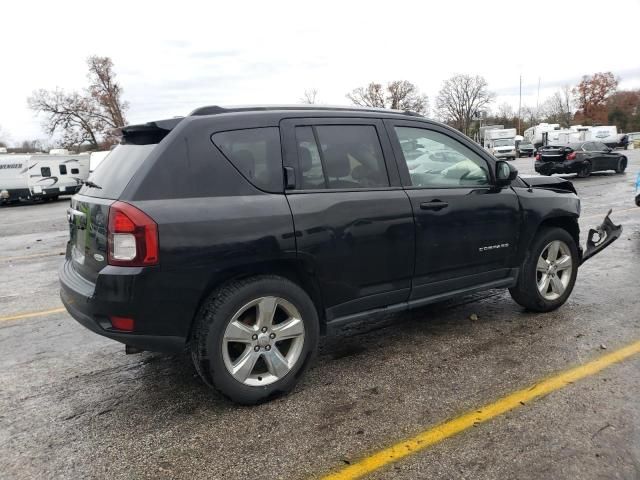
89,183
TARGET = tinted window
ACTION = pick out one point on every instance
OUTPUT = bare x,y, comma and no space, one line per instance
599,147
114,173
45,171
63,169
436,160
255,152
75,171
341,156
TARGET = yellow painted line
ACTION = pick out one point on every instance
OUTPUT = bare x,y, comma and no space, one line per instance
612,213
450,428
35,255
33,314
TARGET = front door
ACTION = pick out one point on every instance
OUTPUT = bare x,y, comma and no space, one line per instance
466,229
353,221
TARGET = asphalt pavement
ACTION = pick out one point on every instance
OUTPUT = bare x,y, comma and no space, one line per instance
73,405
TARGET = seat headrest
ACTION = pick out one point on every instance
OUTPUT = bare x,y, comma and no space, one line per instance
337,161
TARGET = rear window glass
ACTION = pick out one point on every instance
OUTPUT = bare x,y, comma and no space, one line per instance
255,152
113,174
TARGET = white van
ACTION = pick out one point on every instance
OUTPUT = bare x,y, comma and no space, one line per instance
24,177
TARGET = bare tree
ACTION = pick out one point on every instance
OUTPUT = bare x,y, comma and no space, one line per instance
460,97
559,107
86,117
72,115
398,95
106,91
370,96
310,96
3,139
404,95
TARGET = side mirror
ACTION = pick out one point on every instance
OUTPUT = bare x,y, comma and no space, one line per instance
505,173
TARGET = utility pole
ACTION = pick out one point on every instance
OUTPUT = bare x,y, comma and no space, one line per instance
538,99
520,105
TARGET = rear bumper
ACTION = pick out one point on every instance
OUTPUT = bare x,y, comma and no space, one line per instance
547,168
80,298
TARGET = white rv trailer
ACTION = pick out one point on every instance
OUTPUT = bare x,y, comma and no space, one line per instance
563,136
24,177
534,134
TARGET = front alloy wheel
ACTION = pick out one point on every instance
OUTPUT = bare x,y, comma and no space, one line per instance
263,341
553,270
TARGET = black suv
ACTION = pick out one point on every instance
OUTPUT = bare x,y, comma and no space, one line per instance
243,234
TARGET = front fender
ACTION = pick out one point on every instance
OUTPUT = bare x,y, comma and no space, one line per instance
601,237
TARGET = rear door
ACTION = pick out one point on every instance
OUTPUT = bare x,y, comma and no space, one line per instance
608,157
466,229
353,222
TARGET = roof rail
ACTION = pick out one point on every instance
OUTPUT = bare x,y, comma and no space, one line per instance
216,109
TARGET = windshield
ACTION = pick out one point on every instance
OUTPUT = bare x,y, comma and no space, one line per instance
505,142
115,171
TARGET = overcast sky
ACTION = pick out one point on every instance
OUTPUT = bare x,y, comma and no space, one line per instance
171,59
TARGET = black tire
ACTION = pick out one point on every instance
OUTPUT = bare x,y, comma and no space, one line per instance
526,291
211,323
638,200
585,170
622,165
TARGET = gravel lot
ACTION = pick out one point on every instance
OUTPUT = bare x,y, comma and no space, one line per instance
73,405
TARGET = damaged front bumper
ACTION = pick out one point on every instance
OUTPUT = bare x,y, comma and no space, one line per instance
601,237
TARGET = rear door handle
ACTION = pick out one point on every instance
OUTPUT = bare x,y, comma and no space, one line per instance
433,205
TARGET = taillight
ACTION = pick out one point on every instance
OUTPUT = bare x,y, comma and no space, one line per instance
538,156
133,237
125,324
571,156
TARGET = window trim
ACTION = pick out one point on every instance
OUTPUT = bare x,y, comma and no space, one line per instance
290,149
455,136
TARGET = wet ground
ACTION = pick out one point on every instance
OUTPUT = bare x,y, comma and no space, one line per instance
73,405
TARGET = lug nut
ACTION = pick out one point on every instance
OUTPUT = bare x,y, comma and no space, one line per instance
267,348
256,348
264,329
254,337
272,335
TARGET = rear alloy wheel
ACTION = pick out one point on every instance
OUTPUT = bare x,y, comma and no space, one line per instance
549,272
622,165
585,170
254,338
263,341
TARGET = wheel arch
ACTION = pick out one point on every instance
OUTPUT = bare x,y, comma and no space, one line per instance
293,270
565,222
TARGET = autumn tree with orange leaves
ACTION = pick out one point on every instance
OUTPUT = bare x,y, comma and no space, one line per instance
591,96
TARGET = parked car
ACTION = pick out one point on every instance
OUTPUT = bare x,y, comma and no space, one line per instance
581,158
633,139
243,234
525,149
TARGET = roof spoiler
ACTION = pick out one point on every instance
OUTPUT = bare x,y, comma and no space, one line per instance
146,133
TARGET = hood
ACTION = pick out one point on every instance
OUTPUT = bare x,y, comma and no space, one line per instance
551,183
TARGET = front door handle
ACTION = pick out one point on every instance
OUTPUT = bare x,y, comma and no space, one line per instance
433,205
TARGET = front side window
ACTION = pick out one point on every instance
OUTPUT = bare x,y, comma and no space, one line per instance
341,157
45,171
255,152
436,160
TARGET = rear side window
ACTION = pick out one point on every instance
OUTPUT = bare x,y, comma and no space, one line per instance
45,171
113,174
256,153
340,157
63,169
